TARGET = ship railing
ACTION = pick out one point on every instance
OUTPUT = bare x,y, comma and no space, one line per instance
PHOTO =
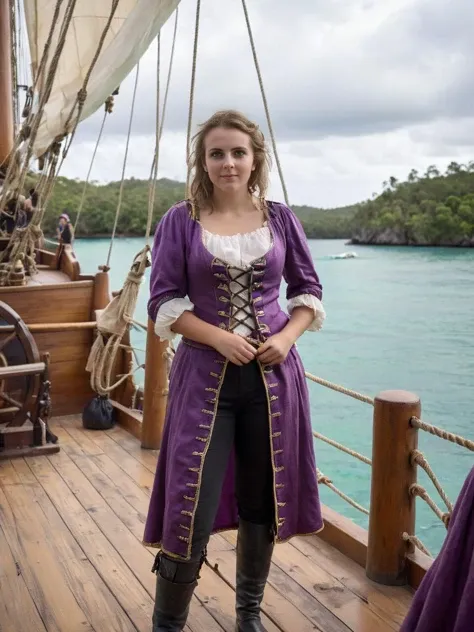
394,485
389,549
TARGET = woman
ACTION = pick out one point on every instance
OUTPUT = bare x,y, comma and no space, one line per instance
65,230
237,448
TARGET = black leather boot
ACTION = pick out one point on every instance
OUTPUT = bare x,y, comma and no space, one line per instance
175,584
254,554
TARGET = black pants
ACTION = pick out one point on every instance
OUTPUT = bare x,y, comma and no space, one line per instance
241,421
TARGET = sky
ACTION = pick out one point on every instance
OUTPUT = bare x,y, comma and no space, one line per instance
358,91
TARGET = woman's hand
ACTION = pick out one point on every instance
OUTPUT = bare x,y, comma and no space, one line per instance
275,349
235,348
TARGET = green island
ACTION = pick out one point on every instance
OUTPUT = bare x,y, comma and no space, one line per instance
432,209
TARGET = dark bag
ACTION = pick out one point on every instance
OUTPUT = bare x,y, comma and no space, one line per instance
99,414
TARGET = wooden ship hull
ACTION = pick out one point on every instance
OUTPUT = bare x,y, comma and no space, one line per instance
72,517
58,306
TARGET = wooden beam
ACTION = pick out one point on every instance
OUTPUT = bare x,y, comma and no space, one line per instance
41,328
20,370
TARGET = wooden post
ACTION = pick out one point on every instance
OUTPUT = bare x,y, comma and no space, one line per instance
6,86
155,390
101,297
392,509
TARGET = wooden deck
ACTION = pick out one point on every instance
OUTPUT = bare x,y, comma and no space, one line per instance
46,276
72,559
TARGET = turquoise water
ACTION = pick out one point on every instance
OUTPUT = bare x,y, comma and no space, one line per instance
397,318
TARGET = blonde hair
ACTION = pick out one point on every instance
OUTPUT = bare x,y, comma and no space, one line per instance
201,187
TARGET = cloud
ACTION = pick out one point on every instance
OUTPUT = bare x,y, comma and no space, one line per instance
358,91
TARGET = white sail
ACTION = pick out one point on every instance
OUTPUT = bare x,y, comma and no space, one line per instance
134,26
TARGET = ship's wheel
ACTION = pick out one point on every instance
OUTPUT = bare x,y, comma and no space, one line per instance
18,392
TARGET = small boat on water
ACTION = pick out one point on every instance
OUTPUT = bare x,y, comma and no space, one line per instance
343,255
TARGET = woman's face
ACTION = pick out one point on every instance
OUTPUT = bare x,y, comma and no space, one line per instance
228,159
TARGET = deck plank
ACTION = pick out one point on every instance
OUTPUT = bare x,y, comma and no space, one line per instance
389,602
17,609
105,502
217,597
80,514
41,563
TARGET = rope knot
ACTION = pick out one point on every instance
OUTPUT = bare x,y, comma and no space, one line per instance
417,457
25,131
109,104
323,479
82,96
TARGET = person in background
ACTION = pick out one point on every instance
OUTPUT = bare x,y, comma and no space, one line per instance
65,230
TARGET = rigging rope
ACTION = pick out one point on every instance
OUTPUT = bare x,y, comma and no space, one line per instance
124,166
14,62
154,167
30,127
80,101
156,153
265,102
107,110
191,95
116,318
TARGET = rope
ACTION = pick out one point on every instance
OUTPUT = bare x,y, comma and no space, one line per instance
343,448
265,103
107,110
156,154
418,490
412,539
119,203
442,434
14,62
340,389
80,102
324,480
30,131
191,94
419,458
160,124
47,46
118,315
137,323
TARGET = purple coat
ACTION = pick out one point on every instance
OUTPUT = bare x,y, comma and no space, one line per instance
182,266
444,602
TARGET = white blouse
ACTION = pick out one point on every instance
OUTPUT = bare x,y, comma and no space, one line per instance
236,250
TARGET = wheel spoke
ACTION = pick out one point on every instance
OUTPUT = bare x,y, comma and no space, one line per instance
10,400
7,340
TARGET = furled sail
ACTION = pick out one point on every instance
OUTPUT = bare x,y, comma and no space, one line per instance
134,26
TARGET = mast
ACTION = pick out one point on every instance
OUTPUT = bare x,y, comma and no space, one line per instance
6,87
